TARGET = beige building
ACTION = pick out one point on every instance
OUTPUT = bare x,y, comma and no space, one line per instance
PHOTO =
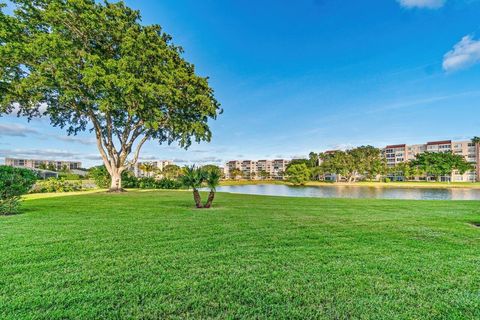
398,153
43,164
257,169
156,166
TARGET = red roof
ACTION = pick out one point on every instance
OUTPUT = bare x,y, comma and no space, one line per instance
439,142
393,146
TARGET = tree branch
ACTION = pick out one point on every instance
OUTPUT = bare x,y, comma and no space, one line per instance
137,151
98,134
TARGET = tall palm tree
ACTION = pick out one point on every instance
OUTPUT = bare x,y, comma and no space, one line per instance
193,178
213,180
476,141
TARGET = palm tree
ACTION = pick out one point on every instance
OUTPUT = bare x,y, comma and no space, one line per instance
234,173
171,171
476,141
213,180
148,168
193,178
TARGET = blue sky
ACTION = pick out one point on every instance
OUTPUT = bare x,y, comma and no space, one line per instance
308,75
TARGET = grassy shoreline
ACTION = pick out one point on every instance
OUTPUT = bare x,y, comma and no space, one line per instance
150,254
410,184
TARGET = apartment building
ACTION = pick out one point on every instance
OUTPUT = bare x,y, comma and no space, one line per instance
230,166
279,166
257,169
150,168
399,153
43,164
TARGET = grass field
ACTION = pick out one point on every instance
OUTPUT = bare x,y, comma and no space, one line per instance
407,184
150,255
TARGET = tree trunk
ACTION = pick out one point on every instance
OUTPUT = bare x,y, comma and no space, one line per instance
116,184
211,196
196,197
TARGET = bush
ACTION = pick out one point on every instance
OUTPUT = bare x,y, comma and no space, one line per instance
102,180
165,183
100,175
14,182
128,180
387,180
69,176
57,185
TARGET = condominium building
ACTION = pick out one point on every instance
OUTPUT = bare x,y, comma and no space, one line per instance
399,153
150,168
249,168
43,164
279,166
257,169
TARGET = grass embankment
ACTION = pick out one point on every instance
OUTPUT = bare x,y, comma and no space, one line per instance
151,255
409,184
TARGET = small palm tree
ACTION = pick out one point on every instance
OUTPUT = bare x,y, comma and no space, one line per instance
148,168
235,173
193,178
213,180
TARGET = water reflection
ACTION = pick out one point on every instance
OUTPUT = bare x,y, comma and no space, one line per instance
343,191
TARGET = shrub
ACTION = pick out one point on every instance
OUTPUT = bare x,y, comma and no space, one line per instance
168,184
165,183
128,180
102,180
14,182
100,175
57,185
69,176
387,180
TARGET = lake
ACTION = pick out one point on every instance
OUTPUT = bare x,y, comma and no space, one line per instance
343,191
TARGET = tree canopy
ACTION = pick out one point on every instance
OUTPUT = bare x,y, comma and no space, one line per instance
438,164
298,174
365,161
94,66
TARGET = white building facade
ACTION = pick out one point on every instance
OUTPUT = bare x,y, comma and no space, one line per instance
139,170
399,153
257,169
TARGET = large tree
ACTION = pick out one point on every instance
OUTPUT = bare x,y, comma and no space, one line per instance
94,66
298,174
364,161
441,164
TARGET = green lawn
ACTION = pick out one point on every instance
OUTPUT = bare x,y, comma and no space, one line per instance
150,255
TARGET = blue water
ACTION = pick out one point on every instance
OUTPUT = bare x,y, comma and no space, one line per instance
343,191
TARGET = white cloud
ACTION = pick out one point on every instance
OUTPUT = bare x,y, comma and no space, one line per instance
205,160
15,130
86,141
464,54
47,153
430,4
